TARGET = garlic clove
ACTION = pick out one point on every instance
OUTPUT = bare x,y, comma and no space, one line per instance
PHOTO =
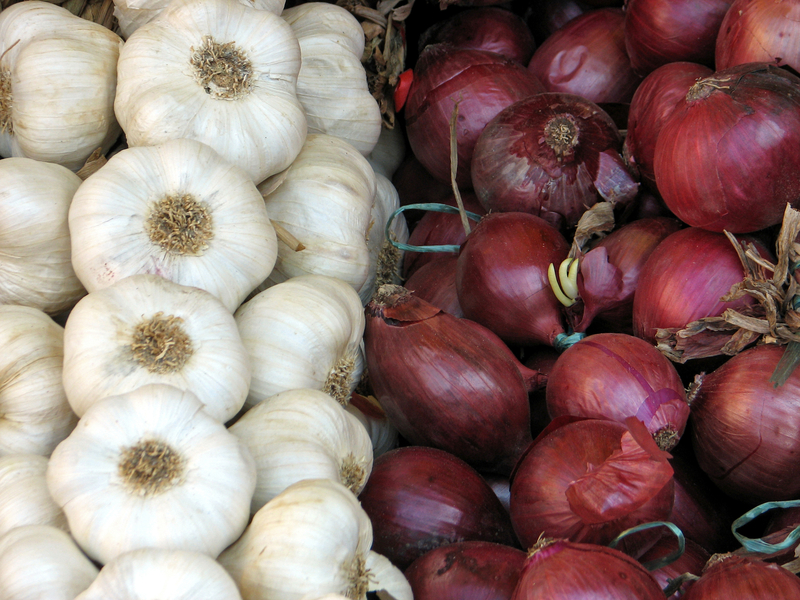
24,497
387,581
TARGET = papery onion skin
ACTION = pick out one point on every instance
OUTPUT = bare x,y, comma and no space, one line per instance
482,83
421,498
745,431
435,282
726,157
472,570
743,578
692,560
551,155
587,57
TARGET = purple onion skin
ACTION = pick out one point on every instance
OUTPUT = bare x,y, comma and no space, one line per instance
435,282
742,578
691,561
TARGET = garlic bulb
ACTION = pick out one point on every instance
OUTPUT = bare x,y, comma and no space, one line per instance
146,329
303,434
325,201
332,83
313,538
218,72
35,261
303,333
24,497
178,210
382,433
388,154
34,413
151,468
150,573
39,561
58,76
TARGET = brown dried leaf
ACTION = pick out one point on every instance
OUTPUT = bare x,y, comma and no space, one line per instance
594,223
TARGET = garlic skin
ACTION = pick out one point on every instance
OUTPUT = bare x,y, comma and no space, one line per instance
39,561
35,256
34,413
58,76
152,469
310,540
146,329
168,88
382,433
24,497
150,573
332,83
390,151
178,210
303,434
303,333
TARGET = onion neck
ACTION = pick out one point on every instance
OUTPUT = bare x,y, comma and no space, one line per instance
561,135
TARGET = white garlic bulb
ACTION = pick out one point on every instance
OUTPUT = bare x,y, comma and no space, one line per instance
380,429
332,83
146,329
39,561
313,538
218,72
24,497
34,413
151,468
178,210
58,77
303,333
303,434
388,154
35,261
150,573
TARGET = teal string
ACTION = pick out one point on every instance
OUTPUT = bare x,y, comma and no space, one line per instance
664,560
566,340
757,544
432,207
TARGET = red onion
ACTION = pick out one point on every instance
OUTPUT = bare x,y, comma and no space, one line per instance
542,359
444,383
482,83
615,376
588,481
547,16
760,31
727,577
653,102
692,560
551,155
501,277
587,57
745,431
435,282
493,29
659,32
415,185
562,570
726,157
466,571
421,498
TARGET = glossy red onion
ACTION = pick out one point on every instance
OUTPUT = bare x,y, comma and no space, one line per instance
726,158
552,155
659,32
563,570
692,560
482,83
435,282
445,383
760,31
501,277
588,481
421,498
736,577
653,102
587,57
466,571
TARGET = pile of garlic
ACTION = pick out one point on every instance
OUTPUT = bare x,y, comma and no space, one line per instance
182,318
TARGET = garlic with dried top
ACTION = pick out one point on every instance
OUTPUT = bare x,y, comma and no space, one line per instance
218,72
146,329
151,468
58,76
24,497
312,539
303,434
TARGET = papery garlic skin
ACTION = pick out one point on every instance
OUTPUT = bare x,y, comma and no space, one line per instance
311,539
150,573
146,329
58,76
35,260
390,151
303,333
166,89
383,434
24,497
332,83
130,217
194,494
39,561
34,413
303,434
